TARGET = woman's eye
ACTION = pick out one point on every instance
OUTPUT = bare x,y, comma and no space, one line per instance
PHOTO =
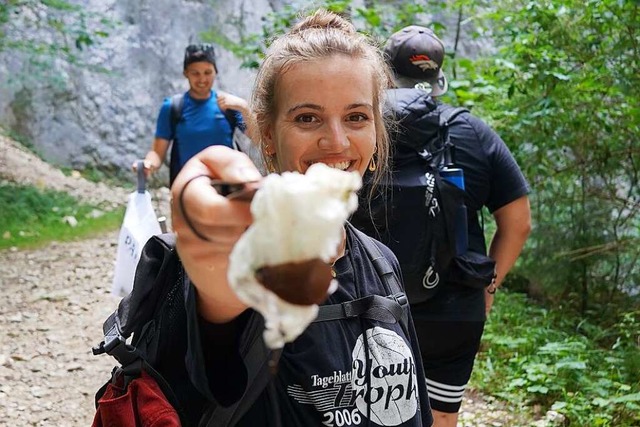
359,117
306,118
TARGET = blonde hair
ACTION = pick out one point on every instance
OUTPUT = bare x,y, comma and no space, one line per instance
321,35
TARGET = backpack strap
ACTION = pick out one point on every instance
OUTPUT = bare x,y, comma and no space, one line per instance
447,114
175,113
389,309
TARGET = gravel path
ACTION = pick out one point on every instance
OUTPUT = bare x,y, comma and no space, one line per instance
54,301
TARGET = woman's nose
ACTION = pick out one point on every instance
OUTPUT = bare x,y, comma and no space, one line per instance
334,138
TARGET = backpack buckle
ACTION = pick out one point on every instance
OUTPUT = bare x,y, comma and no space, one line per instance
425,154
401,298
115,344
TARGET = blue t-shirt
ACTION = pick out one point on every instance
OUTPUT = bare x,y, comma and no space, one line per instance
201,125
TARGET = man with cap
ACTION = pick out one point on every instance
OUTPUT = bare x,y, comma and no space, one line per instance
450,324
204,116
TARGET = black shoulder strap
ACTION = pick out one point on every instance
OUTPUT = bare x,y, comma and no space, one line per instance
177,104
231,118
447,114
389,309
380,262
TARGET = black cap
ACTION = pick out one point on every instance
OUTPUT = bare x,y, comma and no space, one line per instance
200,53
417,53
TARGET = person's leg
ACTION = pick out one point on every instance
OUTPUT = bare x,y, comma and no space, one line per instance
444,419
448,351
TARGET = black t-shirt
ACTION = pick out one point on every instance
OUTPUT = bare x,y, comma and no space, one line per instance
329,375
492,176
492,179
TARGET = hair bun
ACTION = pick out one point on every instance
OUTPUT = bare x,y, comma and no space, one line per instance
323,20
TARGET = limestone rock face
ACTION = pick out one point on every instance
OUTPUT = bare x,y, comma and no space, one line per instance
78,116
103,113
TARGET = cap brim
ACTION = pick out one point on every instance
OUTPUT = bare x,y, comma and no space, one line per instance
439,85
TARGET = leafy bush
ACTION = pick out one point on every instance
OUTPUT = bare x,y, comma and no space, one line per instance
559,92
532,355
30,217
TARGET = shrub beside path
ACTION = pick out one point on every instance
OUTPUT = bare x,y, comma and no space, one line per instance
54,302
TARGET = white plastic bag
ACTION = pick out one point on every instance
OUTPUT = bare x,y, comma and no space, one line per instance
140,223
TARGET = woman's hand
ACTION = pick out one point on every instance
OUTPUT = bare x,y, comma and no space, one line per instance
198,208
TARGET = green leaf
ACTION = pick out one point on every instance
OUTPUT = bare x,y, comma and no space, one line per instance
538,389
571,364
633,397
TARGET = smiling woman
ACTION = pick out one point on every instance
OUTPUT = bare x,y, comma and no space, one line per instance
317,99
350,69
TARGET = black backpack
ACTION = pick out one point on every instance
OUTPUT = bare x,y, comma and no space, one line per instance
175,115
413,212
147,331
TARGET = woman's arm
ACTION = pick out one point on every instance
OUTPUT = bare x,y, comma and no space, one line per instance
220,220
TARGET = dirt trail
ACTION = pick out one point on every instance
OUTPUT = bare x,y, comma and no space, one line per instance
55,300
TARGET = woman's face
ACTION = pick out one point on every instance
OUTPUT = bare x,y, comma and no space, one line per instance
324,114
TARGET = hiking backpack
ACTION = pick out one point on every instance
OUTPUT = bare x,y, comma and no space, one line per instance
415,209
150,323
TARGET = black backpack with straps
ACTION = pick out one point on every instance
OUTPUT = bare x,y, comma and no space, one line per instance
150,324
414,210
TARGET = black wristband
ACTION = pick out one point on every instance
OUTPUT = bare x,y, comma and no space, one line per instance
184,211
492,288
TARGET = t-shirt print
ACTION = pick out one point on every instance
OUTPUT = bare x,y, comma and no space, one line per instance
385,387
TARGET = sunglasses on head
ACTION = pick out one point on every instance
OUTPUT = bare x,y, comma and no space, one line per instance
200,48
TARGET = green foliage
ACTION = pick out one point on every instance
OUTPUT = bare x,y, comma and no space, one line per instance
560,93
534,355
31,217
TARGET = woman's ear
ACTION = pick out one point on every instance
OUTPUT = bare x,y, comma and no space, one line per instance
267,140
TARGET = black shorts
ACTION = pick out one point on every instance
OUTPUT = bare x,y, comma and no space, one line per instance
448,351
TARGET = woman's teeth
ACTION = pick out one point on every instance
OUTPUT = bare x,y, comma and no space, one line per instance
340,165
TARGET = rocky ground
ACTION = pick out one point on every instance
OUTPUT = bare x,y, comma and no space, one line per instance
54,302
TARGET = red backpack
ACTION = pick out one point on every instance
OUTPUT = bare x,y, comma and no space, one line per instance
141,403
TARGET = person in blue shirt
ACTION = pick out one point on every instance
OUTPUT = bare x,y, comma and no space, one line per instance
207,117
